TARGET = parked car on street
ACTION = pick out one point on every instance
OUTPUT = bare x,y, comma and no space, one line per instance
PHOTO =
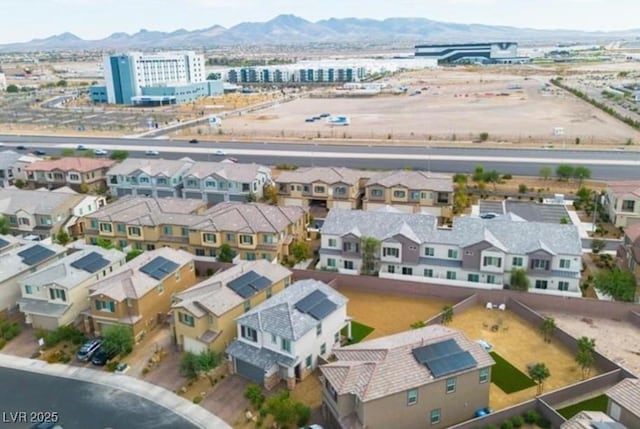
81,147
152,153
100,152
193,141
39,152
102,356
88,349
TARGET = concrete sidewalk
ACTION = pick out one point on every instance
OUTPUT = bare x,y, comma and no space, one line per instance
192,412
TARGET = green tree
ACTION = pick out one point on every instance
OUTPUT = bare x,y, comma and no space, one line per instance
581,173
68,152
539,373
4,225
226,253
478,173
62,237
484,136
300,251
522,188
618,284
251,197
564,171
132,254
370,255
118,339
548,327
282,408
520,280
189,366
447,314
254,394
214,76
270,195
585,355
545,172
62,83
12,89
460,179
492,177
564,220
119,155
19,183
303,414
104,243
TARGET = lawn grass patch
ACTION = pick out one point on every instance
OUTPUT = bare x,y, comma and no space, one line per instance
598,403
358,332
507,377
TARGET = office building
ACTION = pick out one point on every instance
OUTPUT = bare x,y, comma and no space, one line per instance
472,53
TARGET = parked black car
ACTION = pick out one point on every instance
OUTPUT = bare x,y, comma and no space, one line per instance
88,349
102,356
39,152
21,147
193,141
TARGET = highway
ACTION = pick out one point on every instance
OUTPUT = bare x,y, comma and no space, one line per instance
604,165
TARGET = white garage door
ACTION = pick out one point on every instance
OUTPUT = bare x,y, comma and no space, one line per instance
342,205
292,202
194,346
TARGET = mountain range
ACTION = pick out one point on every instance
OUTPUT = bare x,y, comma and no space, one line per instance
293,30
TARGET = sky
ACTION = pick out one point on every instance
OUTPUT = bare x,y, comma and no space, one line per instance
23,20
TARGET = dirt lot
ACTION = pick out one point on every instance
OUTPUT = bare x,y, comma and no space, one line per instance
618,340
521,344
464,103
389,314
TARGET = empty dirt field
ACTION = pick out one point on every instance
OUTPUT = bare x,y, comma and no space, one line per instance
453,105
520,344
389,314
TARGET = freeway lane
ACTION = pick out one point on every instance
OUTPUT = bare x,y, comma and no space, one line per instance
80,405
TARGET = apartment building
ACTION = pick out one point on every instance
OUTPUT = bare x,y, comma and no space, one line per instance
17,262
410,192
138,294
148,177
622,202
284,337
55,295
253,230
329,187
79,173
204,315
428,377
475,252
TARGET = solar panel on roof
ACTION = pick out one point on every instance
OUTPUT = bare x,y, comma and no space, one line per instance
309,301
322,309
243,280
450,364
96,265
35,254
437,350
153,265
90,263
3,243
249,284
260,283
245,291
159,268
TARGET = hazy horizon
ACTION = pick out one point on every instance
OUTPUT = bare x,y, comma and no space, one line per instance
92,20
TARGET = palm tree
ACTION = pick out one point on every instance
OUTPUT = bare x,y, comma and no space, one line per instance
539,373
585,355
447,314
547,328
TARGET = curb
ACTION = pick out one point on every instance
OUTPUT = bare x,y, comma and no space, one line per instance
159,395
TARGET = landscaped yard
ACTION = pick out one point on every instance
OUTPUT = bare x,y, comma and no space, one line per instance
507,377
598,403
358,332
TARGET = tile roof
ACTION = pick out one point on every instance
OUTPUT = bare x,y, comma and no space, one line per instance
632,232
623,188
249,217
627,395
150,211
129,282
151,167
279,316
384,366
39,201
236,172
413,180
328,175
80,164
215,296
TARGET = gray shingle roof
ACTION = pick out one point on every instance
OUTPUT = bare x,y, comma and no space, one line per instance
278,315
627,395
328,175
248,217
39,201
419,180
260,357
527,210
236,172
151,167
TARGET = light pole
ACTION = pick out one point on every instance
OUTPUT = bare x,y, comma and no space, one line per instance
595,211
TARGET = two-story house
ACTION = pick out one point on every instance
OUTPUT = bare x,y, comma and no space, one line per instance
79,173
138,294
37,212
623,403
55,295
204,315
330,187
622,202
252,230
148,177
17,262
215,182
286,335
411,192
8,242
428,377
475,252
12,167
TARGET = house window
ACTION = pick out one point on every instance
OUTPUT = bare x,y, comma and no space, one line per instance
415,195
162,181
105,227
94,224
308,361
74,176
230,236
285,345
268,239
144,180
484,375
318,329
350,247
24,221
160,288
340,190
492,261
319,189
539,264
251,256
475,278
323,348
399,194
274,339
429,251
517,261
192,183
563,285
269,292
249,333
108,306
185,232
186,319
491,279
452,253
57,294
541,284
628,205
331,390
168,230
451,385
412,397
151,247
134,231
336,337
428,272
376,193
209,238
565,263
451,275
28,289
331,262
121,228
407,271
305,189
391,251
210,184
246,239
199,252
332,242
348,265
435,416
391,269
247,305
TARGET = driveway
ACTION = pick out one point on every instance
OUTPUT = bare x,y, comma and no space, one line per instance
24,345
227,400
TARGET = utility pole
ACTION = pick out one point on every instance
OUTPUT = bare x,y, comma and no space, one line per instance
595,210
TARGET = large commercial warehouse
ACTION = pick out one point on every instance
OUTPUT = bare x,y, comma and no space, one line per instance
472,53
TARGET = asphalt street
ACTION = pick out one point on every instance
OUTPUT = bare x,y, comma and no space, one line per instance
79,405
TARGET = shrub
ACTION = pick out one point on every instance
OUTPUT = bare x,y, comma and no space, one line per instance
531,416
303,414
3,343
111,366
506,425
197,399
145,370
517,421
507,176
65,358
543,422
254,394
263,412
